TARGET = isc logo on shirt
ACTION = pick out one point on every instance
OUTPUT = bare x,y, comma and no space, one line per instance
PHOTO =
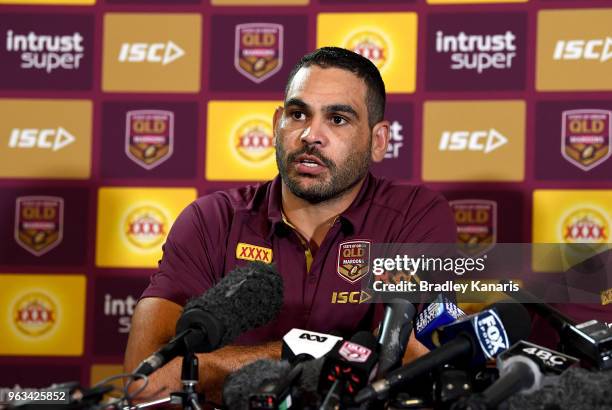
249,252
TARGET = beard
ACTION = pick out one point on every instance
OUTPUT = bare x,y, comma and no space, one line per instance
341,178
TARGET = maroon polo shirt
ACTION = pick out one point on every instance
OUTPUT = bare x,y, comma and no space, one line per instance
202,247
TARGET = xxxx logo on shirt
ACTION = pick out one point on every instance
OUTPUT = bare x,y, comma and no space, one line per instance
250,252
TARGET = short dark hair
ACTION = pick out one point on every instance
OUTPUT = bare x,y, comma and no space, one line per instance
363,68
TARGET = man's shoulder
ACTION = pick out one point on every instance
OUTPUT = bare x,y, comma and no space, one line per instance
403,198
233,200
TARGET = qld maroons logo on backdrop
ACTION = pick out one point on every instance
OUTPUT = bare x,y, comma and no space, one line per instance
149,136
586,137
39,223
476,221
258,53
353,260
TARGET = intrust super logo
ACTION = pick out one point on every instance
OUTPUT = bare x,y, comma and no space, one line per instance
586,225
241,133
574,50
40,52
162,55
475,140
476,51
386,39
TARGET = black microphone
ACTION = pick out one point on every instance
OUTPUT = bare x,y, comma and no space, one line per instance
348,367
225,311
393,334
591,340
300,345
475,338
442,311
522,368
272,384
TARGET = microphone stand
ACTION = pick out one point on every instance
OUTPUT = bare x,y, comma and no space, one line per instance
189,398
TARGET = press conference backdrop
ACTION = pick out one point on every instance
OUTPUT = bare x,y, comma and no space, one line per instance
115,114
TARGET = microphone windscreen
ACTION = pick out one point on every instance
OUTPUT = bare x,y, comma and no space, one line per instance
249,379
246,298
576,389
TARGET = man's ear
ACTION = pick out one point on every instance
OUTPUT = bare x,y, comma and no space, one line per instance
380,140
276,117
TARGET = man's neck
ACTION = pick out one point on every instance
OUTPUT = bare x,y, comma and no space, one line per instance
313,221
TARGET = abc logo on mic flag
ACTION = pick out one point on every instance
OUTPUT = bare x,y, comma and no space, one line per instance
116,115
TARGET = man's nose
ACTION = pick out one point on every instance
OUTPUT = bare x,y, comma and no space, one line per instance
314,133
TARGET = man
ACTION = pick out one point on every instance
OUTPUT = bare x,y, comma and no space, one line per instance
328,131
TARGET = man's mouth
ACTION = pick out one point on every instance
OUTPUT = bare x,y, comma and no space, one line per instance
309,164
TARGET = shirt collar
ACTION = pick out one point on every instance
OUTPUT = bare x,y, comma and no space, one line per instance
352,218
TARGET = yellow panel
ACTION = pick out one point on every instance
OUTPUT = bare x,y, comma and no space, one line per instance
133,224
42,315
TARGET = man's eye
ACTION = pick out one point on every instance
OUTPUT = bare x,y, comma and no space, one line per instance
297,115
338,120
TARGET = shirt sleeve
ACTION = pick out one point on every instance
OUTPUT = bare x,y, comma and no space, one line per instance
193,254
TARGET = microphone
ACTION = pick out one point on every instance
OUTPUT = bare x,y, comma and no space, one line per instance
301,345
225,311
272,384
347,368
522,368
440,312
393,334
591,340
475,338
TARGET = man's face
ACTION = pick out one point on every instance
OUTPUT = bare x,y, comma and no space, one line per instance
323,140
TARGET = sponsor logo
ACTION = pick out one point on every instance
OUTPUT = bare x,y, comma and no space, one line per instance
254,140
164,53
586,137
249,252
313,337
45,138
396,140
354,297
145,227
122,309
35,314
479,52
491,333
258,52
353,260
353,352
606,297
149,137
596,49
370,45
548,360
476,221
39,223
46,52
585,225
483,141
